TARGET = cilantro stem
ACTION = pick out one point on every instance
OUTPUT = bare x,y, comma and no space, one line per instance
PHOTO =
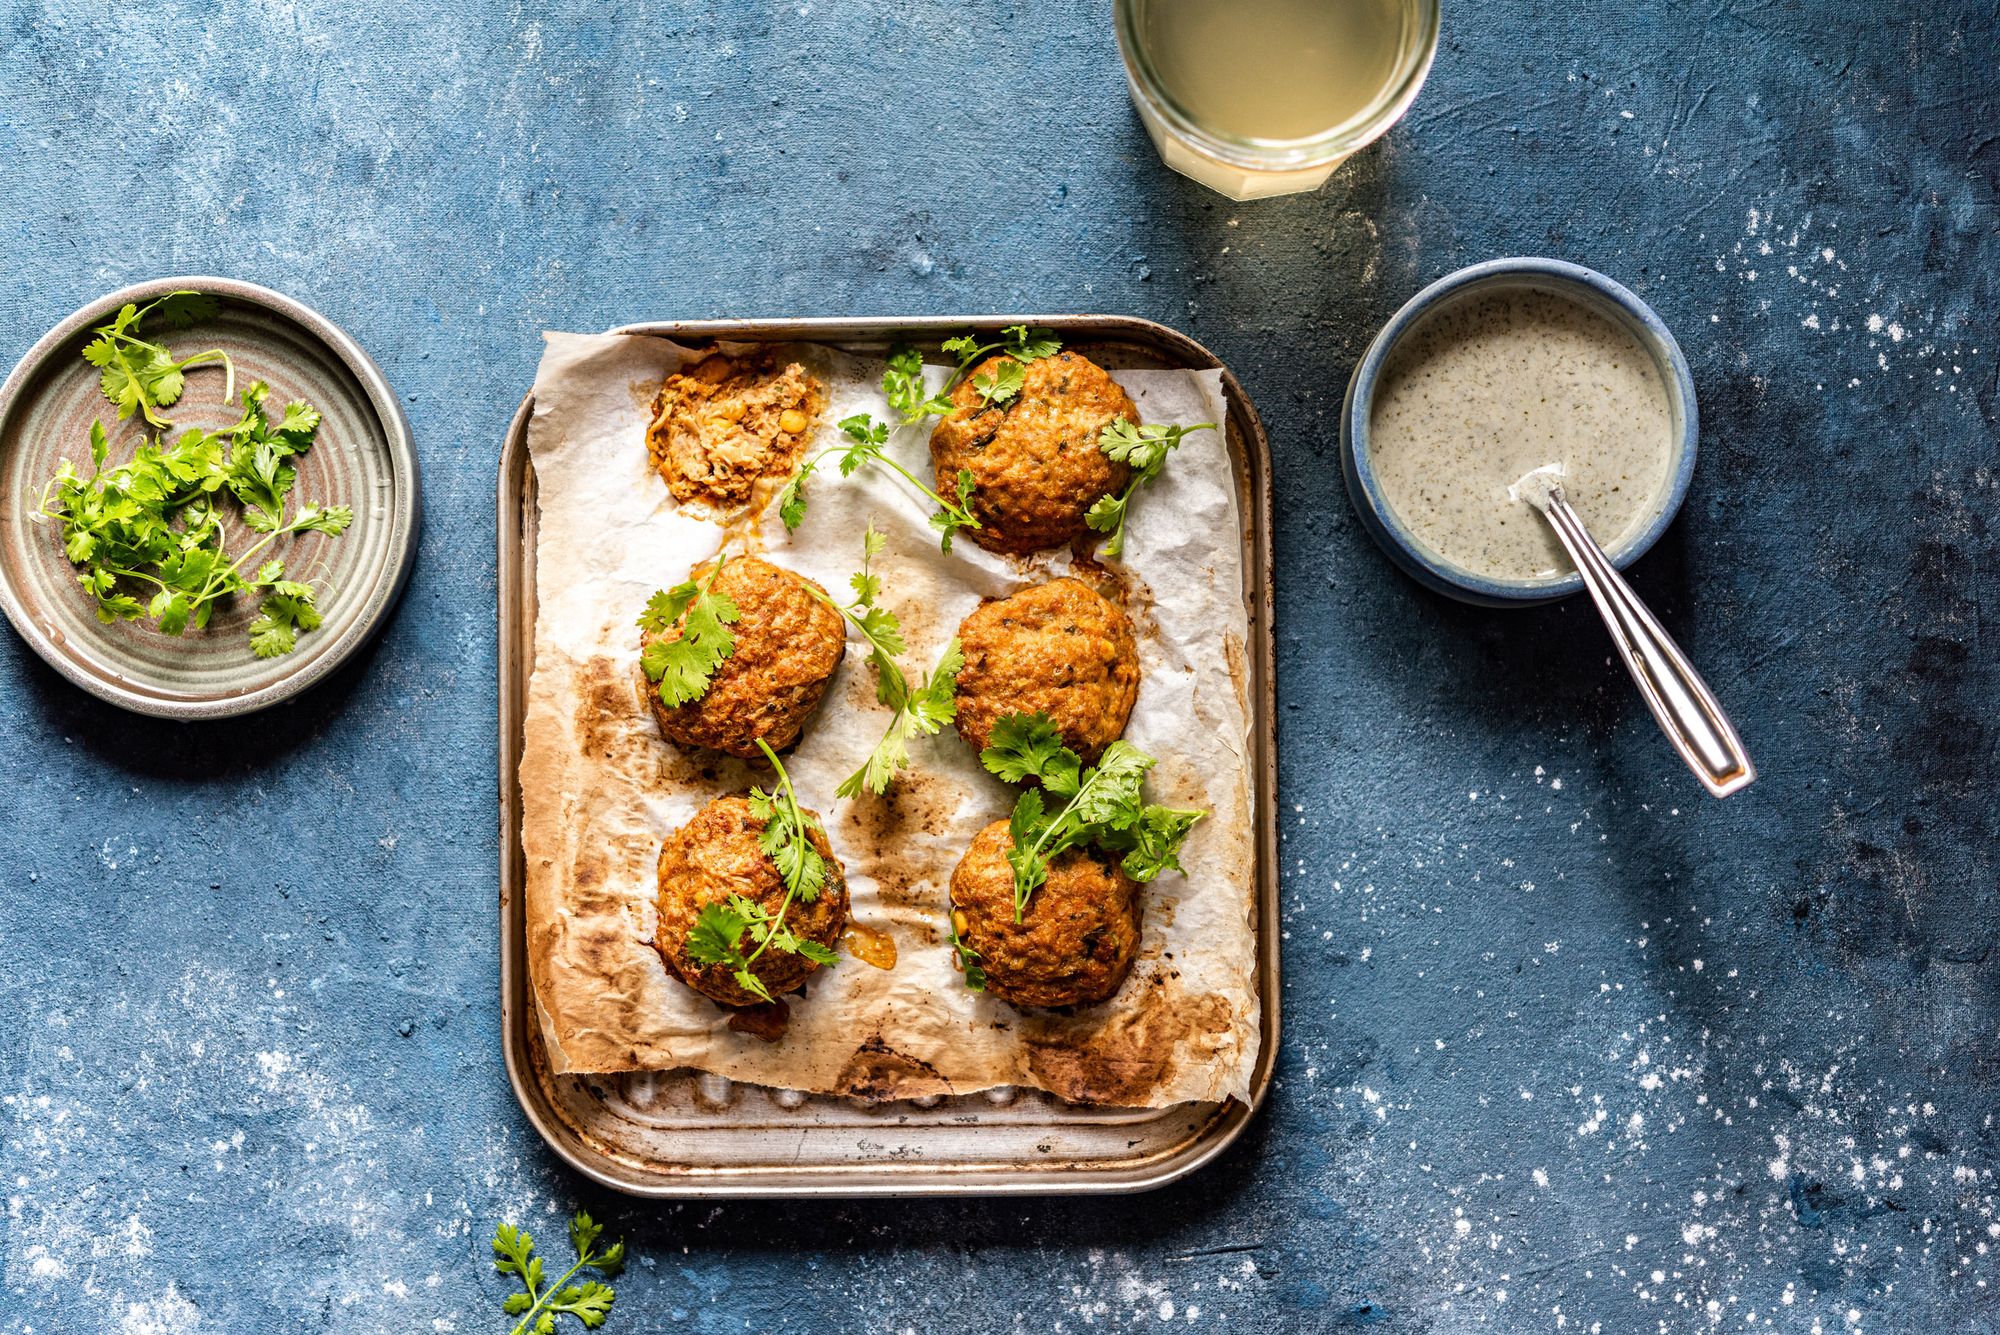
885,662
970,360
877,454
228,369
209,592
551,1291
1052,827
798,824
943,504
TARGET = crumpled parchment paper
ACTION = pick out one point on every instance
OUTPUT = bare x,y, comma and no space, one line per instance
601,787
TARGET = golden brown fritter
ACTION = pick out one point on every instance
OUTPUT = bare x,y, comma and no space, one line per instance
724,422
714,856
1060,649
788,644
1076,941
1034,460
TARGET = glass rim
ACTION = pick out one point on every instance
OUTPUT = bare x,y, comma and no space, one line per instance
1330,145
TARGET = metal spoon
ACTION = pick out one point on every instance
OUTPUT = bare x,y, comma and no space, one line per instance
1682,704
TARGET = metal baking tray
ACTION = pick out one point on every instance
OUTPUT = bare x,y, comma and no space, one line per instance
685,1134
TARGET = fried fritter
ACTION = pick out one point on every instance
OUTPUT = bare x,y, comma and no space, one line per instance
1060,649
715,856
1076,942
788,644
1035,463
724,422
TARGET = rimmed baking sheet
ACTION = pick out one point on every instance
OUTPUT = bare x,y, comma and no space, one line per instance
679,1133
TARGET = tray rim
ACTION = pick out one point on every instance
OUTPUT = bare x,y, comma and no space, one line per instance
1227,1119
399,443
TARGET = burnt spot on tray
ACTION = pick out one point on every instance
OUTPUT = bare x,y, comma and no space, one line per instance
642,392
877,1073
605,712
1239,670
1139,602
917,809
767,1020
613,724
1121,1058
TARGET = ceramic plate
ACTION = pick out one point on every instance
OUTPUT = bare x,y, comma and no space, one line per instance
362,457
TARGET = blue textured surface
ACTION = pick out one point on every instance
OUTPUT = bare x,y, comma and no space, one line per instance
1567,1045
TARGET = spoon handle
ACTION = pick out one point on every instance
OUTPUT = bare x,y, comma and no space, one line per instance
1682,704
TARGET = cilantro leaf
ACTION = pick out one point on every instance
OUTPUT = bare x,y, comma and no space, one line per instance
1152,844
1145,449
785,841
178,310
511,1249
280,618
792,500
1016,340
720,930
963,957
936,702
717,931
1101,806
142,377
1109,794
589,1302
950,518
538,1304
683,666
1028,746
921,712
1031,345
1001,384
903,388
814,951
1028,828
331,520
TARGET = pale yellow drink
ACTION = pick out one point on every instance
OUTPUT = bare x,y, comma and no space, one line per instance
1266,97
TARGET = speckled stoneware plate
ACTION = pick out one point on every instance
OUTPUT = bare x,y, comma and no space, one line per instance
361,457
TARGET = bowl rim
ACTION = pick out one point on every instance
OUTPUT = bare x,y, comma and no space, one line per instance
1533,271
406,518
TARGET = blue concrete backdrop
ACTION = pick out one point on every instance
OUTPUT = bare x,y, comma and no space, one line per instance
1567,1045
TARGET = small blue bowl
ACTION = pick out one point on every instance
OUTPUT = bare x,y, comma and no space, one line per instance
1594,292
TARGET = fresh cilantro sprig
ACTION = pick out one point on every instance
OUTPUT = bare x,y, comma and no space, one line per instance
1016,340
920,709
1000,384
1145,448
142,376
682,668
904,392
540,1304
1101,806
903,388
903,381
963,957
720,930
867,439
158,522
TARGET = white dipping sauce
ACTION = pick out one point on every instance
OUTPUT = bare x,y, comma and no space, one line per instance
1496,384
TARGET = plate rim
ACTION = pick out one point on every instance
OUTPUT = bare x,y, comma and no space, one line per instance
406,519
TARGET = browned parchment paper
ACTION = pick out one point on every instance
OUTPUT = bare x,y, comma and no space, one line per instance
600,787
